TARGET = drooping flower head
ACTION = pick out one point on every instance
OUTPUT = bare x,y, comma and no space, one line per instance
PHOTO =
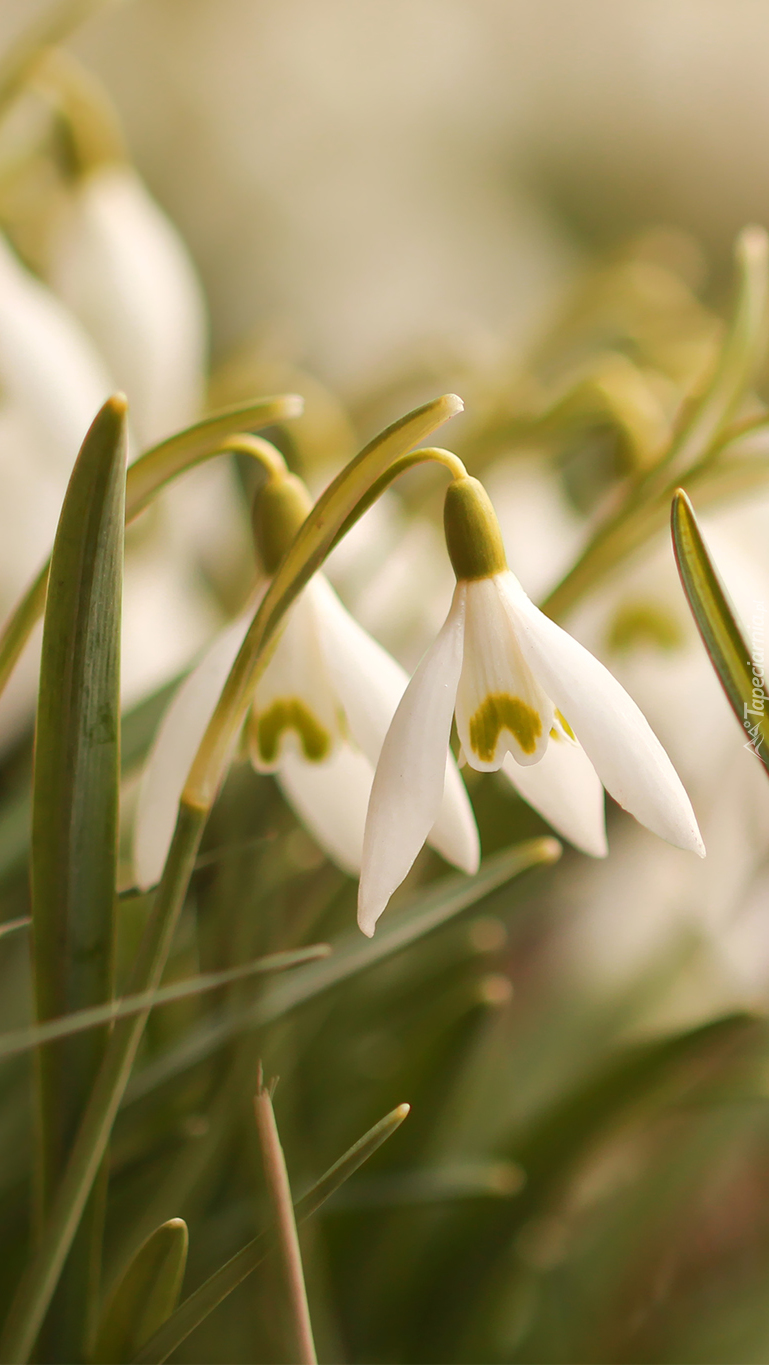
320,711
527,698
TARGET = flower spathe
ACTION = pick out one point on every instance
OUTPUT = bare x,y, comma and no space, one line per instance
529,699
320,712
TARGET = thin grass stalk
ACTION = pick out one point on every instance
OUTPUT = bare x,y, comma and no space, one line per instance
281,1204
197,1307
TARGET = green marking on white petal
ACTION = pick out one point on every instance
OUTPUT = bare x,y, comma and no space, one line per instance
562,730
501,712
290,713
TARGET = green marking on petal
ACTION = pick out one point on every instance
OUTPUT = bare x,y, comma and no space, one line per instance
564,725
289,713
500,712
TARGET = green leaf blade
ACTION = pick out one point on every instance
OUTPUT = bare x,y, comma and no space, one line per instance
145,1296
729,652
197,1307
350,954
75,800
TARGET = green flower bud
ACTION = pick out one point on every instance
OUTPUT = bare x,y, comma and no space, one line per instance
473,537
280,507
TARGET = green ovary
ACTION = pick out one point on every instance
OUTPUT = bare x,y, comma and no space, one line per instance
500,712
289,713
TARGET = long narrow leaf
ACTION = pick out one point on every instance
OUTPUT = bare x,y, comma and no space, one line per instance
351,954
24,1040
740,674
197,1307
75,809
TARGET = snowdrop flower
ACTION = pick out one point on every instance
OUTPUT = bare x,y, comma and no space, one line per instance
320,712
527,697
121,267
51,376
52,382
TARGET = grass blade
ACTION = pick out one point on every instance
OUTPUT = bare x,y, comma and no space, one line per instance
302,1344
24,1040
352,953
743,681
11,925
197,1307
75,817
146,1294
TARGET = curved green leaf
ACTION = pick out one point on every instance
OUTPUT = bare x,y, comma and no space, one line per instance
75,791
197,1307
739,670
145,1296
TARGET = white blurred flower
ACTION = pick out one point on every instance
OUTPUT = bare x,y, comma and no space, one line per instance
121,267
124,271
518,684
141,325
52,378
320,713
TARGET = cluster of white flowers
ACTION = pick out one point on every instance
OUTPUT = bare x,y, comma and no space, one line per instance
363,754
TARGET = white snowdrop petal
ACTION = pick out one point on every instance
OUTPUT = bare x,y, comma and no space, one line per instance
409,780
369,682
566,790
370,685
615,735
330,799
501,706
296,708
121,266
48,365
455,833
176,743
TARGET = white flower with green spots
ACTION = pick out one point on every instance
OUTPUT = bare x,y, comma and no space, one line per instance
528,699
320,712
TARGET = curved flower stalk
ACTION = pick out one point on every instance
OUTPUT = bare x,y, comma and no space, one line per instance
527,697
320,712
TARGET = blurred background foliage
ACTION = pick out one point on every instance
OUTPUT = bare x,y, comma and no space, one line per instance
533,205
